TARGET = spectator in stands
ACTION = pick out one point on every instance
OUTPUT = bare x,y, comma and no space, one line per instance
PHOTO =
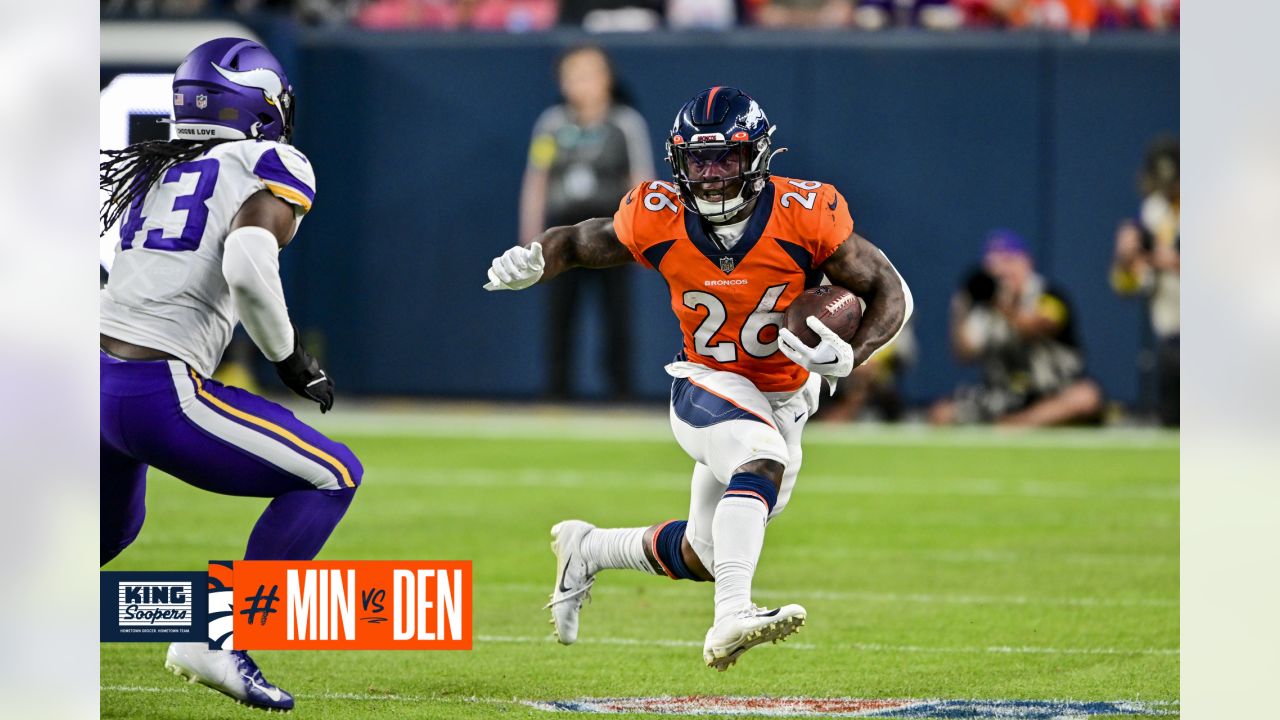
930,14
587,152
1020,328
1140,14
489,15
701,14
1078,15
805,13
1148,261
612,15
154,8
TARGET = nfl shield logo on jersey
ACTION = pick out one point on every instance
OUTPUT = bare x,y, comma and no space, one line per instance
726,264
202,101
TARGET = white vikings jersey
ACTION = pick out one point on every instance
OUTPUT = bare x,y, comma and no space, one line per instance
166,289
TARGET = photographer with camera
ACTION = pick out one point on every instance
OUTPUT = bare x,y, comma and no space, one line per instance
1020,329
1148,262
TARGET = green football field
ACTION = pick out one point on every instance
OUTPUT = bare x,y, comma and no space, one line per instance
963,564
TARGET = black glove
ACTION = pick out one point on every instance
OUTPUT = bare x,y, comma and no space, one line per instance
302,374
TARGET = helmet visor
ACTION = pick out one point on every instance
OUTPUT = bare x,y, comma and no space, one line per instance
714,173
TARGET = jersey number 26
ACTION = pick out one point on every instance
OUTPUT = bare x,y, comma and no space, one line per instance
726,351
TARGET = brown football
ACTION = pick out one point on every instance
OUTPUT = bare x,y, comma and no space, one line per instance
836,307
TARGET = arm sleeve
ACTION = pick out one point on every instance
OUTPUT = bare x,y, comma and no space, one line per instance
909,303
287,173
835,224
251,266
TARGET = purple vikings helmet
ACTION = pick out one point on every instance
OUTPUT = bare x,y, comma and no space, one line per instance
719,148
232,89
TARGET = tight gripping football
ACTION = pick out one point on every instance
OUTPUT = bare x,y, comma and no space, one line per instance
836,307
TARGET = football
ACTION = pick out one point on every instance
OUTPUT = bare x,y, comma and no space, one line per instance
836,307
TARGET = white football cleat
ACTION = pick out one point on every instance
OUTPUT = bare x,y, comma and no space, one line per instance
230,672
573,581
738,633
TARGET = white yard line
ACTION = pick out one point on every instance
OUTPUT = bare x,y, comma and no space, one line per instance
475,476
181,688
866,647
887,597
188,687
993,556
587,425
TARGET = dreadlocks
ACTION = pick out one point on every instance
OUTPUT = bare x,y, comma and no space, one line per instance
127,174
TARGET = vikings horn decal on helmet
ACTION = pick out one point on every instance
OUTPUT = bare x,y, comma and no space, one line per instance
719,149
246,93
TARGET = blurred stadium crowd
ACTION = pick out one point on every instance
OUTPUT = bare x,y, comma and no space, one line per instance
641,15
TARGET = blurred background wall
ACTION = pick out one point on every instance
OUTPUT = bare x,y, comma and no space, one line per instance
419,142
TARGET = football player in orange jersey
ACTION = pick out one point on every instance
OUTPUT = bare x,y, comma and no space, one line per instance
736,247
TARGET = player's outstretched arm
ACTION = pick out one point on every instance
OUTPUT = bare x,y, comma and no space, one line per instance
590,244
251,266
864,270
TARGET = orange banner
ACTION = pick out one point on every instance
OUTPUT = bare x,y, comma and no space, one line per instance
334,605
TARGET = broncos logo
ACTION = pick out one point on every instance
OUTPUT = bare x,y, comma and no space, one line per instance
752,117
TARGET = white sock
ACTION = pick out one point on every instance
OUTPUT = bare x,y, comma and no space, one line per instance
615,549
737,530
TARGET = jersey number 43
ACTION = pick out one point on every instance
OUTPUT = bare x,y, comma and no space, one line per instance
193,203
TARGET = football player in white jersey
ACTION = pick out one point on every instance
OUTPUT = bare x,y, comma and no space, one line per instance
203,219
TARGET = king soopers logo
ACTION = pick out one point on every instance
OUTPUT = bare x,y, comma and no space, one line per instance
155,603
150,605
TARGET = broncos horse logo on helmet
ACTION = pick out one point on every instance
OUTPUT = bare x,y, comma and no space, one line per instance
248,95
719,149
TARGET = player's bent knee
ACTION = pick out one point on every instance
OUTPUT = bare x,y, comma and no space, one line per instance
357,472
751,447
352,463
344,470
771,470
109,550
751,486
111,544
697,566
667,546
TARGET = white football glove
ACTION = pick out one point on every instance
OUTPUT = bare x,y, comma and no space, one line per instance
516,269
832,357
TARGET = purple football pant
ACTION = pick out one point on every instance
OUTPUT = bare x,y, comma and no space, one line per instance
222,439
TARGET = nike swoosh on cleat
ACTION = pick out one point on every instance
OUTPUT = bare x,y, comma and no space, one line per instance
271,692
560,582
798,417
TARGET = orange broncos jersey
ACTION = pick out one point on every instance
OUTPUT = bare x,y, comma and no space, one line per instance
730,303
